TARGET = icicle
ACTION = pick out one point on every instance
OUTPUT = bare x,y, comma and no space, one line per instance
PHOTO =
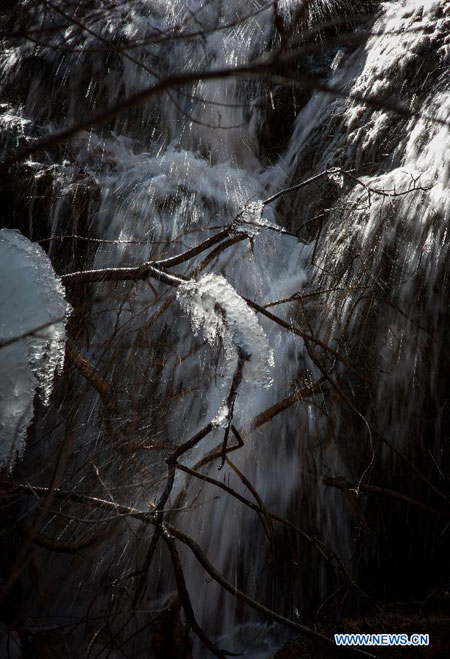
225,318
32,337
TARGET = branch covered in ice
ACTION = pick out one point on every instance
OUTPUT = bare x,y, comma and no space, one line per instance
32,337
226,319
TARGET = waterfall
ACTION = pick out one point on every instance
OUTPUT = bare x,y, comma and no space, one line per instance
353,265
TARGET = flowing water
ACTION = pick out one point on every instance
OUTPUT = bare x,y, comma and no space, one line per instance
165,176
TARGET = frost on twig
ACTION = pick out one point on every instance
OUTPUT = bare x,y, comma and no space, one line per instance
251,221
225,319
33,311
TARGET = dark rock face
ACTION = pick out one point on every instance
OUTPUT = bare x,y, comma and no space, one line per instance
381,242
170,636
432,620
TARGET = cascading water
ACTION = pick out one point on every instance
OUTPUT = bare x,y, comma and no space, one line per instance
370,234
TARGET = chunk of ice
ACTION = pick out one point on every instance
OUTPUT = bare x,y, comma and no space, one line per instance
226,319
33,312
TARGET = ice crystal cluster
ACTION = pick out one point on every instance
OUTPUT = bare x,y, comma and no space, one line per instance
33,311
225,319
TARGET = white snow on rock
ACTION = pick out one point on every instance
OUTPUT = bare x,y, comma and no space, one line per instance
226,319
32,303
